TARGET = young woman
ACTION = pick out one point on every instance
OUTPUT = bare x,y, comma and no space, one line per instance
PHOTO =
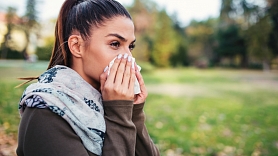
80,106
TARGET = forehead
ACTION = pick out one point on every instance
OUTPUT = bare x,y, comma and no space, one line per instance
118,25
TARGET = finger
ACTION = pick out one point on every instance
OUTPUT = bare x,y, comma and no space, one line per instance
135,66
121,70
114,68
131,82
127,74
103,78
139,98
141,81
133,77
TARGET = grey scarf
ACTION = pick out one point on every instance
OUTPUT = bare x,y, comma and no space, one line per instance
67,94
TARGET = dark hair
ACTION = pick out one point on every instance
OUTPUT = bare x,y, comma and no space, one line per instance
81,15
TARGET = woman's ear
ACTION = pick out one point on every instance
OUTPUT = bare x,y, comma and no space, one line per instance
74,43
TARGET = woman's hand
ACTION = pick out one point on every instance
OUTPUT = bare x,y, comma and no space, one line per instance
119,84
141,97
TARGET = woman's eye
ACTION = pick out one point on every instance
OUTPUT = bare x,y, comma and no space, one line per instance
115,44
132,46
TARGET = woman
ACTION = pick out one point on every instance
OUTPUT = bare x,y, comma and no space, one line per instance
81,106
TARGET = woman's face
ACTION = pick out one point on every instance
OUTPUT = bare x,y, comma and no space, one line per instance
115,36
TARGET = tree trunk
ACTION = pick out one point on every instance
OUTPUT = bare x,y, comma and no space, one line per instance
4,51
244,61
5,44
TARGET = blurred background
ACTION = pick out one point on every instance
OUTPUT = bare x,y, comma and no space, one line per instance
211,69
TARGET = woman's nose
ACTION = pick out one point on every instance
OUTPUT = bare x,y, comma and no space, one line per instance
128,51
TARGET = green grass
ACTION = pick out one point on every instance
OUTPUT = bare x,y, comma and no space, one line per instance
235,114
212,124
189,111
10,96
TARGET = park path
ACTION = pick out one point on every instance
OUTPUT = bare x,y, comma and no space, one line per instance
192,90
176,90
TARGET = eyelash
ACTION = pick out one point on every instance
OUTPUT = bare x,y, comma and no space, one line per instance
116,45
131,46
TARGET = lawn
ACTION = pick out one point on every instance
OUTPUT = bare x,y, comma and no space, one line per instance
189,111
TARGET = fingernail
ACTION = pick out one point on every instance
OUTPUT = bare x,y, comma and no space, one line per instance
125,56
129,58
105,69
133,63
120,56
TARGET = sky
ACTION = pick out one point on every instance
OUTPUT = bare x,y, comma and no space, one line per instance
186,10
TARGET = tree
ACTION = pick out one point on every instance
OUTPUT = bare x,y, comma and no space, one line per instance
30,23
144,14
201,37
257,40
10,18
230,43
165,40
256,30
226,10
156,37
248,18
44,52
273,36
180,56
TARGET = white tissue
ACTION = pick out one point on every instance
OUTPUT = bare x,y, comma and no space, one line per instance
137,89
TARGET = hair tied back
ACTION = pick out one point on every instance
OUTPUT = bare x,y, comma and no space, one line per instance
29,79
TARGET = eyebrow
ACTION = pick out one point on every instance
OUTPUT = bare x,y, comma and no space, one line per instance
119,37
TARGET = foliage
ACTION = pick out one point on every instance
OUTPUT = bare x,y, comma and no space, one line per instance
200,36
6,45
165,40
244,35
157,35
143,14
254,27
44,52
180,57
230,43
12,54
273,36
30,25
31,14
258,40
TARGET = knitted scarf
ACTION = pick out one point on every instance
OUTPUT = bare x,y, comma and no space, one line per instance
67,94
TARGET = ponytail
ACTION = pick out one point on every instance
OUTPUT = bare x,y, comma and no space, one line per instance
29,79
60,54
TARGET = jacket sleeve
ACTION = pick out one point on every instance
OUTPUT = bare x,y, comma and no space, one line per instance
126,133
120,136
44,133
144,144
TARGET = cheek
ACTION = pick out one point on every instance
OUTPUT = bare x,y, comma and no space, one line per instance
96,60
91,64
